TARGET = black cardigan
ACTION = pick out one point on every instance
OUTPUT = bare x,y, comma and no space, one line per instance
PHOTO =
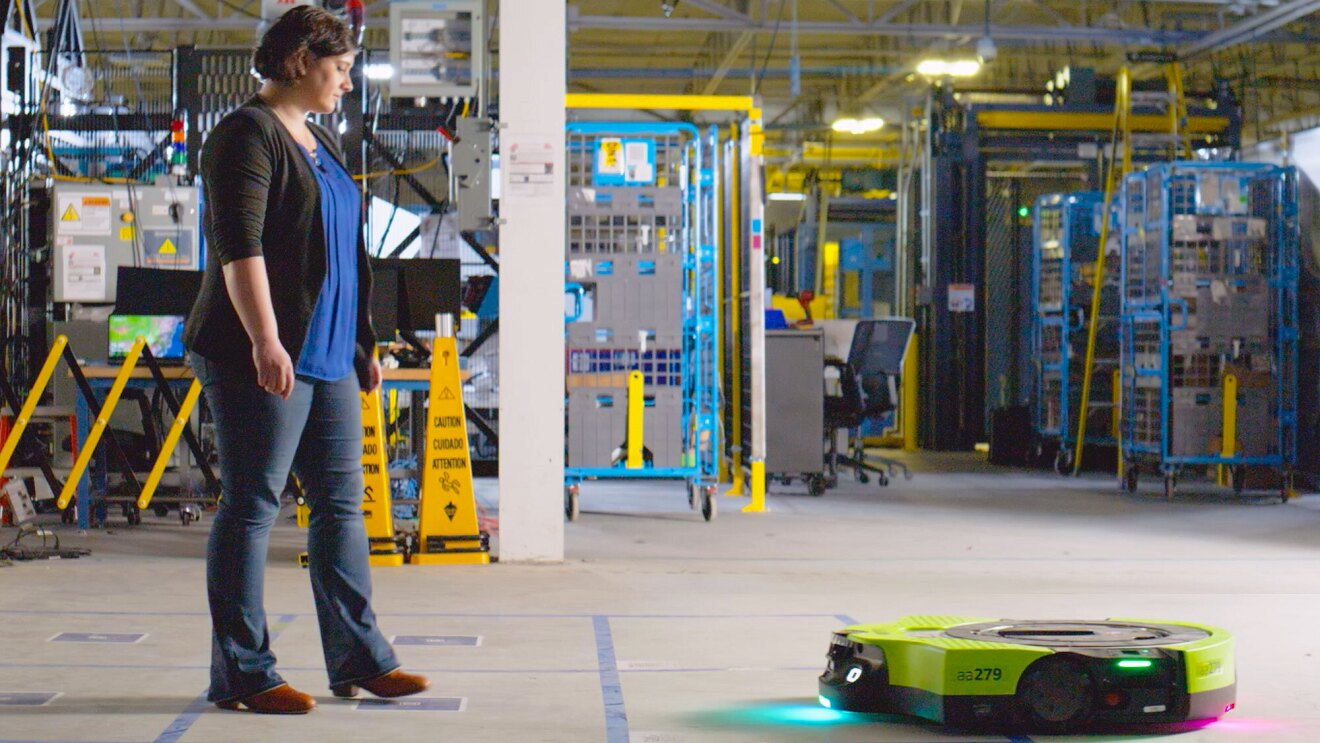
261,199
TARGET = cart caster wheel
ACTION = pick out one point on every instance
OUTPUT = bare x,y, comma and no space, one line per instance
708,508
1289,489
1063,461
1239,478
188,513
816,485
831,482
692,496
863,478
70,514
133,515
1130,476
882,480
571,508
1170,485
161,511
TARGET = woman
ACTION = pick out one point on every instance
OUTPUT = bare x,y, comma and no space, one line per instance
281,340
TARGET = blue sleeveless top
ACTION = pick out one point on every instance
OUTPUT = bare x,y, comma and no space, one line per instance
327,353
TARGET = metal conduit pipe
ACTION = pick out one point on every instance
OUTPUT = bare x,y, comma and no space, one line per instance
1249,29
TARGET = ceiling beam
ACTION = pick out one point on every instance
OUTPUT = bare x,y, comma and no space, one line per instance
714,8
140,25
735,51
1127,37
893,12
844,10
191,7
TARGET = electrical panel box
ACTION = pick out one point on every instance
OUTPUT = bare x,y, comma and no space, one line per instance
96,228
437,49
470,162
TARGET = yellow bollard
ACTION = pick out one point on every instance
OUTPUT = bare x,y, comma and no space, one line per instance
102,422
34,397
636,419
908,415
1228,444
758,488
171,441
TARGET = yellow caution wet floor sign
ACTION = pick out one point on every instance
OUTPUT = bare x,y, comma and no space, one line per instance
447,529
377,509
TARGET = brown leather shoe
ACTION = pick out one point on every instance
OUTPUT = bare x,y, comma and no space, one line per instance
396,683
282,700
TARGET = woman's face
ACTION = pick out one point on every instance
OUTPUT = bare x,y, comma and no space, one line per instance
326,81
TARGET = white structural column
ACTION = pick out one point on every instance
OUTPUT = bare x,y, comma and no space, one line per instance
533,81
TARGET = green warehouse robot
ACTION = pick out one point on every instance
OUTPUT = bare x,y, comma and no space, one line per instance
1039,675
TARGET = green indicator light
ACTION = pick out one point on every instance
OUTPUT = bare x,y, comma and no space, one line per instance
1024,212
1134,664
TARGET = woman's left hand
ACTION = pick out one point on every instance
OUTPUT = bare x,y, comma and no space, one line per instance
374,374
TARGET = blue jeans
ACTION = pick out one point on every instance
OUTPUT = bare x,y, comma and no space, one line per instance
318,433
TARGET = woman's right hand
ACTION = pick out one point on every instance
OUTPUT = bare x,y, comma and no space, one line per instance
274,367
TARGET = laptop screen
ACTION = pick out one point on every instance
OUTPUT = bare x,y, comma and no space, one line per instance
163,333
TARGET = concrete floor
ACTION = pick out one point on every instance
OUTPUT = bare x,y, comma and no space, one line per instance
660,628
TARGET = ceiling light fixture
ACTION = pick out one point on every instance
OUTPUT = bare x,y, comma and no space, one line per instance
949,68
858,126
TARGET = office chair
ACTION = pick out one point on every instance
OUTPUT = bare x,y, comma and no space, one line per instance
867,389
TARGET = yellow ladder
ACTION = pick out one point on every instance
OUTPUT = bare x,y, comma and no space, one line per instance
1117,170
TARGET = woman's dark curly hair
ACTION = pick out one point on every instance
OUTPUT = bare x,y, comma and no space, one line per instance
299,38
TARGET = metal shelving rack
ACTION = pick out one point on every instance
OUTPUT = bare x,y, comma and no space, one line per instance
647,246
1067,229
1209,321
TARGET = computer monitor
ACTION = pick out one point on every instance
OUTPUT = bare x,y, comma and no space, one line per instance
156,291
426,287
163,333
385,301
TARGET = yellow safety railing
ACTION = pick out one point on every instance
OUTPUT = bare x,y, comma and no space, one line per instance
171,441
102,422
1178,116
34,397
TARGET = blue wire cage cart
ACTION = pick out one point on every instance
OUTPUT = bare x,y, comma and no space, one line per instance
1067,230
1209,322
643,267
